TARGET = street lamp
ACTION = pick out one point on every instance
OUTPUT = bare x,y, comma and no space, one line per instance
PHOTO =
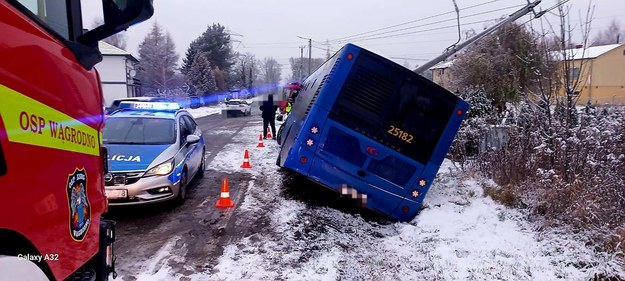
309,52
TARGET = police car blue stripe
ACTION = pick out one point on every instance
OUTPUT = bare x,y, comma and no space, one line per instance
133,157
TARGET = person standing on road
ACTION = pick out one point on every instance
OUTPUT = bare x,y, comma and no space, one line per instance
268,108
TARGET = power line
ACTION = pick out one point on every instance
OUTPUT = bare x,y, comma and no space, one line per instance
427,24
412,21
272,43
424,30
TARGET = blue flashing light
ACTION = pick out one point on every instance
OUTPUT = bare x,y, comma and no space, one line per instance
156,106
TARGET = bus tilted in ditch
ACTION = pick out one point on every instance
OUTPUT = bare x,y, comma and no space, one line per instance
371,129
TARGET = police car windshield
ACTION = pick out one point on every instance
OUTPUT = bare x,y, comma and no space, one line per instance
133,130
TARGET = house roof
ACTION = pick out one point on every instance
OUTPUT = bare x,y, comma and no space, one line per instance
588,53
109,50
443,64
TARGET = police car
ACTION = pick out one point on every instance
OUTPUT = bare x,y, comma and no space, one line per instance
154,149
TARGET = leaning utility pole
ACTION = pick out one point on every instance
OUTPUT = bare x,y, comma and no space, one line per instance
309,56
455,48
309,53
301,63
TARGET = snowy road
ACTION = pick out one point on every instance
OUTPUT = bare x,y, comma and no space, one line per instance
284,228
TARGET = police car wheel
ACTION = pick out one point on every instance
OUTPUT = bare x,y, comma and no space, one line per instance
200,171
182,189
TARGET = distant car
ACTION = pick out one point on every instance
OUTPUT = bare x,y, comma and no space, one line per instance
154,149
235,107
195,102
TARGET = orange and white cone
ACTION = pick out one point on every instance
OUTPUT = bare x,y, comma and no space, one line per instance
269,133
224,199
246,160
260,141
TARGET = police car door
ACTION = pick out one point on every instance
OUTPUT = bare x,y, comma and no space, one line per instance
193,152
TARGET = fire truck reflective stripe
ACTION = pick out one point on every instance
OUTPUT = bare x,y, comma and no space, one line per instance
31,122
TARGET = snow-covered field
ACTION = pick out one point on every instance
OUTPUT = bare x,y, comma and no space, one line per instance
460,235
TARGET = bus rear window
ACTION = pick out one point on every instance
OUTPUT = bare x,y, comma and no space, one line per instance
408,116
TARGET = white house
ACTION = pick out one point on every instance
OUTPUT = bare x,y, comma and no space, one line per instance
117,73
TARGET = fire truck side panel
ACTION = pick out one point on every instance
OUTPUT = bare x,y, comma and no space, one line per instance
49,125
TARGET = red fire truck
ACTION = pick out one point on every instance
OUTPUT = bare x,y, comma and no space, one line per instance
51,159
289,92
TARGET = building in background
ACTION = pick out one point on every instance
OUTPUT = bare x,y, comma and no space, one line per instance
600,71
441,74
117,72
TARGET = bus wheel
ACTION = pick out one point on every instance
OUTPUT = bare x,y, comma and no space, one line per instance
279,134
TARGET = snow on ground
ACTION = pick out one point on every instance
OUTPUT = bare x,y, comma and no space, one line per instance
204,111
459,235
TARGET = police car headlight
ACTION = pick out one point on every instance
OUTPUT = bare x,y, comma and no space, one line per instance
161,170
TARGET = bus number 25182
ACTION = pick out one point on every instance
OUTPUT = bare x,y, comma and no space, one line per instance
401,134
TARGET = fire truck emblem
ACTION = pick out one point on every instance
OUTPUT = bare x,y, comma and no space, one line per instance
79,207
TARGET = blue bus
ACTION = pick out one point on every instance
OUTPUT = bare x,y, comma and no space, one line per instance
372,130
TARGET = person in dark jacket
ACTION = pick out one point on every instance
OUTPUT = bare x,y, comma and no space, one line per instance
268,108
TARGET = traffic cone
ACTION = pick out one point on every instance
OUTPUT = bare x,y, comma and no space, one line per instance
224,199
269,133
260,141
246,160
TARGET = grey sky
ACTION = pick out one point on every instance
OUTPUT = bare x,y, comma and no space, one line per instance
271,28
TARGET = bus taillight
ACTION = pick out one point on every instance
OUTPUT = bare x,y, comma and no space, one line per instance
303,159
405,209
459,111
350,56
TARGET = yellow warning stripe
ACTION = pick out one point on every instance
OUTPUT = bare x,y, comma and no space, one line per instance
31,122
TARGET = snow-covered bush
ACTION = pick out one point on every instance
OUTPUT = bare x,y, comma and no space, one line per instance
476,125
571,175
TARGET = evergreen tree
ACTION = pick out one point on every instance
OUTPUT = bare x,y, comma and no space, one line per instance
157,63
215,44
201,76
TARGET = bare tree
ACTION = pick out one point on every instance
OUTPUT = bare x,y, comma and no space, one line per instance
573,63
271,71
614,34
298,69
246,71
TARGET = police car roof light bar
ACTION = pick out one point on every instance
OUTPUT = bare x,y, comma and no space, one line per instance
156,106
